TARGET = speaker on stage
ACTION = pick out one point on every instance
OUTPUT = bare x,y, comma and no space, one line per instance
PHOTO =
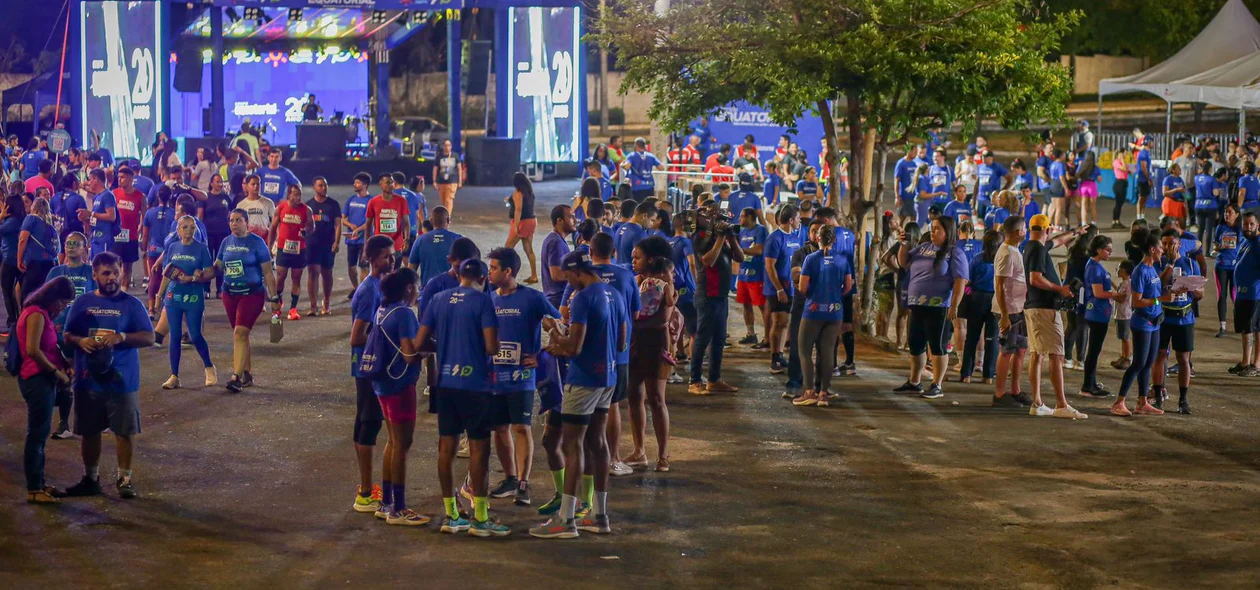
478,75
492,161
188,70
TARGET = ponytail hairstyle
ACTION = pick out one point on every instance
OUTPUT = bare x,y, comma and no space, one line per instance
989,245
826,237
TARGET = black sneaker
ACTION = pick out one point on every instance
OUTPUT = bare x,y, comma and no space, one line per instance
1117,225
1097,391
158,337
1220,333
763,345
235,385
522,494
247,380
1183,407
506,488
909,387
749,339
848,369
933,392
1158,394
86,487
777,366
126,491
1006,401
1024,399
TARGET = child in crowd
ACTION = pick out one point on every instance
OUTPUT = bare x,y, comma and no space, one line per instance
1124,311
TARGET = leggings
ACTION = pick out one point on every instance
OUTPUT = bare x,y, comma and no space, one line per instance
1224,290
1120,188
981,320
794,378
1097,334
1075,335
822,334
191,316
1206,219
1145,348
35,275
10,277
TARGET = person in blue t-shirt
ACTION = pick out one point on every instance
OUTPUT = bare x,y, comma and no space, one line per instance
1144,178
1148,293
597,333
189,268
632,232
1210,195
683,254
941,180
749,285
777,285
1000,210
825,278
744,198
937,275
1228,237
29,161
982,321
639,164
959,208
522,314
992,178
463,322
355,226
1099,294
414,194
429,253
1173,189
104,214
773,184
106,328
1249,188
1177,331
906,188
368,416
807,187
1246,308
80,275
245,262
276,179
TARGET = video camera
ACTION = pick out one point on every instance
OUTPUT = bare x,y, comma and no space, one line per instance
716,220
1068,304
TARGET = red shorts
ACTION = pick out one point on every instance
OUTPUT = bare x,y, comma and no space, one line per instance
749,292
243,310
400,407
525,229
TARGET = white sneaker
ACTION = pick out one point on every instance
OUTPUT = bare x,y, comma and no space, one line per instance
426,392
212,377
1068,412
1069,364
1040,411
619,468
675,378
171,383
463,452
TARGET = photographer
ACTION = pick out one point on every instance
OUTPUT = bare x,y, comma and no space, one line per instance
717,245
1041,310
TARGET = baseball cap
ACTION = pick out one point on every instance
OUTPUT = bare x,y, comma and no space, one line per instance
473,268
1083,123
1039,221
578,261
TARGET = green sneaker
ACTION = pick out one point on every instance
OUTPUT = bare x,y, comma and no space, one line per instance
583,510
551,507
367,504
488,528
454,525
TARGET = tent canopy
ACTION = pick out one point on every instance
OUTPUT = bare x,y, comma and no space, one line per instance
1212,68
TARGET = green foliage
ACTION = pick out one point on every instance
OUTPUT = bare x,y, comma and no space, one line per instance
1144,28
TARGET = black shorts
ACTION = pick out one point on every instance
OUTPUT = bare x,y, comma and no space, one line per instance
1144,189
516,407
776,306
1246,316
1180,336
554,419
688,310
129,252
286,260
621,389
929,330
320,255
353,254
94,412
846,303
367,413
460,411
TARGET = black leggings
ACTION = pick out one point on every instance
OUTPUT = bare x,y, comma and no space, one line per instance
1097,335
1145,349
980,320
1206,219
1120,188
10,277
35,275
1075,336
1224,290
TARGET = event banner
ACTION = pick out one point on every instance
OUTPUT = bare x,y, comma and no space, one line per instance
123,95
545,74
739,119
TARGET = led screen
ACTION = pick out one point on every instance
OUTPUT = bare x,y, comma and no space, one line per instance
269,89
545,76
123,97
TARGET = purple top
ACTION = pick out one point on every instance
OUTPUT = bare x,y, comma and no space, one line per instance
934,286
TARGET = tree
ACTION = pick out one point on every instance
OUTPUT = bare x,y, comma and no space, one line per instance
893,66
1134,27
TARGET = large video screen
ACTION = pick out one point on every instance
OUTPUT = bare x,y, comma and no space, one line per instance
545,77
123,96
269,90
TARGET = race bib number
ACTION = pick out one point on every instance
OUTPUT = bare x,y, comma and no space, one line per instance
124,235
1229,242
234,269
271,187
724,205
79,291
509,354
292,247
389,226
98,333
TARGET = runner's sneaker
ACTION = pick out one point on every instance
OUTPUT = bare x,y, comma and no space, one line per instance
1040,411
763,345
909,387
456,525
788,395
1069,412
234,385
247,380
407,517
1183,407
749,339
86,487
1097,391
522,494
382,511
488,528
674,378
933,392
551,507
1024,399
1006,401
619,469
463,452
556,528
465,491
294,315
582,510
777,366
835,371
365,504
595,523
62,432
506,488
126,490
848,369
1220,333
212,376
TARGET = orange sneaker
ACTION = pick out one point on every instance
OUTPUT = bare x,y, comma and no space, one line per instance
294,315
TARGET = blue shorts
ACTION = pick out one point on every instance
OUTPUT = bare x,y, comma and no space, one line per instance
321,256
460,411
515,407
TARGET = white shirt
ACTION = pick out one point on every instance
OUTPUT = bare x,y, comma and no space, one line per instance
1009,263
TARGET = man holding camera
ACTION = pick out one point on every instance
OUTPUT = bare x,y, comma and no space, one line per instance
717,244
1041,310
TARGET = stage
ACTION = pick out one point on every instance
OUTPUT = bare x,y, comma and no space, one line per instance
343,171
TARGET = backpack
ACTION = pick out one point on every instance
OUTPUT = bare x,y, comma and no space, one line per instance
13,355
377,349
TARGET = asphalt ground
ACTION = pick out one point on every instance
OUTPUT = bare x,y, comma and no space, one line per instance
254,489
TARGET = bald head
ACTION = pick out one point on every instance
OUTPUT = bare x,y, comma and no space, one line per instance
441,217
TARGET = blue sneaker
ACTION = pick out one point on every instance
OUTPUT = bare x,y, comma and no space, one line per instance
455,525
551,507
488,528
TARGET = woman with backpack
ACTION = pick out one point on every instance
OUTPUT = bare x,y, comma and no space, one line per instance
41,369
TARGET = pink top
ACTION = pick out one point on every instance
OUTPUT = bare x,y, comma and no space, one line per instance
47,343
1120,168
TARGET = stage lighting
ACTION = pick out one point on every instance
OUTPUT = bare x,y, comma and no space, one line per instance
253,13
295,14
379,17
206,55
419,17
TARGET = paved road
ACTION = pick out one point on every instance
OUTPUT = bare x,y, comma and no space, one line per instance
253,490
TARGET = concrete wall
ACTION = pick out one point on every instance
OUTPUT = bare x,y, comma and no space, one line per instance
413,94
1090,69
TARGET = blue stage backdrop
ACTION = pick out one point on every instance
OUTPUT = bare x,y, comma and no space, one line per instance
738,119
271,87
545,82
123,91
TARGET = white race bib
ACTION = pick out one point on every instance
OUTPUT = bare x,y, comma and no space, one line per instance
509,354
271,188
292,247
389,226
124,235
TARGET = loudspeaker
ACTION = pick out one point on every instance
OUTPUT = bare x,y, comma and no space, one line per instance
492,161
478,75
188,70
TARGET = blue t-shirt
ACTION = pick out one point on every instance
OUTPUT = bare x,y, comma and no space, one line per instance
1056,171
930,285
93,315
160,221
275,183
846,246
904,173
1204,200
43,244
188,259
416,203
740,200
680,248
825,296
1142,171
70,214
1043,162
981,275
430,251
1249,188
780,246
753,268
396,321
970,248
363,306
598,307
520,316
960,210
356,214
242,260
10,231
994,219
628,235
81,277
1097,310
1247,268
641,166
1189,268
940,179
991,178
622,281
806,190
1145,281
554,249
1173,183
30,163
456,318
770,189
104,231
1226,246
